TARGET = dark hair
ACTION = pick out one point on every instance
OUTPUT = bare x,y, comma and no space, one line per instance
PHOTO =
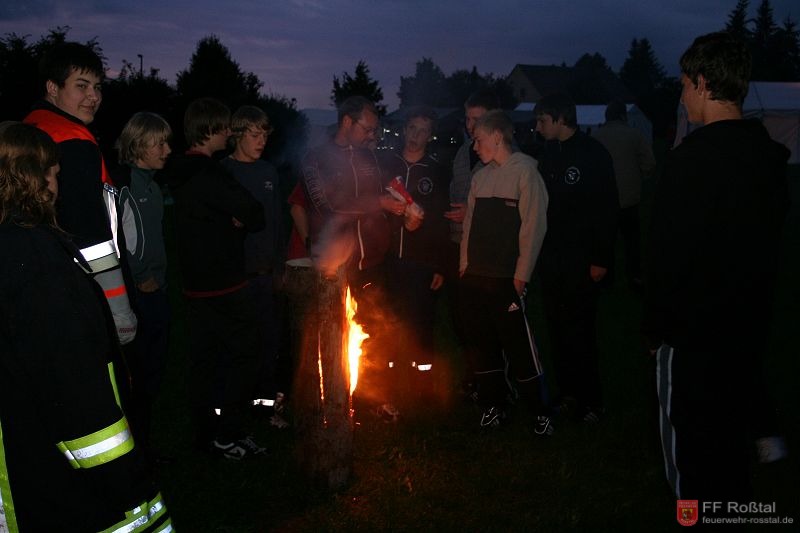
63,59
203,118
142,131
560,107
26,154
354,107
248,116
724,61
616,110
497,120
485,98
421,111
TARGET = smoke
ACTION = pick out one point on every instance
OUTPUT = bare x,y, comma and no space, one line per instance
334,246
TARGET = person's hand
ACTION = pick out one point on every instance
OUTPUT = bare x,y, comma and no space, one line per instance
597,273
236,223
519,286
437,282
392,205
457,213
148,285
412,223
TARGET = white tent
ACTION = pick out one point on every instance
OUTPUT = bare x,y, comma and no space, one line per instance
776,104
591,116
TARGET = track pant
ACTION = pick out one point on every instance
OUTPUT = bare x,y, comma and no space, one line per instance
570,305
704,423
497,327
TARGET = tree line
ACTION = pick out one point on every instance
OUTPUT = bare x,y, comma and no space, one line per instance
213,72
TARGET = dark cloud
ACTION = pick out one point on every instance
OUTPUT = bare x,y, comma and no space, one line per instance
297,46
12,11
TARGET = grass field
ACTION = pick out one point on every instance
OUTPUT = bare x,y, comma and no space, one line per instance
435,471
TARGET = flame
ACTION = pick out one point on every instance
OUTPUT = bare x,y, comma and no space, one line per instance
355,336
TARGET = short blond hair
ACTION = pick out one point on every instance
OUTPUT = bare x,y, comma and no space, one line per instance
142,131
497,120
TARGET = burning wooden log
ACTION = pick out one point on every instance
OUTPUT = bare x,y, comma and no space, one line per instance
321,405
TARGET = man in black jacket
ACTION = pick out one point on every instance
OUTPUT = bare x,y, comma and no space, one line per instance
348,227
577,250
713,254
213,212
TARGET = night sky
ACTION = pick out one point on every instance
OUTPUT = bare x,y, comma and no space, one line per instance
296,46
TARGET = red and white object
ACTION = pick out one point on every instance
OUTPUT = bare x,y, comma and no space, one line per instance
398,191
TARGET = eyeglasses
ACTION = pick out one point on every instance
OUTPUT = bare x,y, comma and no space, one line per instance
368,131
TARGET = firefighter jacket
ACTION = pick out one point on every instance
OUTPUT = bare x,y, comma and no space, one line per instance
86,207
67,457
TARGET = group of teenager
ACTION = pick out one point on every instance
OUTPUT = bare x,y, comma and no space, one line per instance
86,316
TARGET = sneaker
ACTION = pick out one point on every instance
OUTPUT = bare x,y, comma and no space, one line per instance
252,447
278,421
492,417
388,413
237,450
593,416
543,426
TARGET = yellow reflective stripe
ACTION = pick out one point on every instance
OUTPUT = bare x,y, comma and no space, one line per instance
166,527
138,518
100,447
8,517
113,377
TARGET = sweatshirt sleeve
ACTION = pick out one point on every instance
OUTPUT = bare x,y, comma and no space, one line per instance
533,218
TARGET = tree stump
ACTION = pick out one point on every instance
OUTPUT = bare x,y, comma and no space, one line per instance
321,404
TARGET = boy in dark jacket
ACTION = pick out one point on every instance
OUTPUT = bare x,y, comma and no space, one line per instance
577,251
416,260
717,217
213,213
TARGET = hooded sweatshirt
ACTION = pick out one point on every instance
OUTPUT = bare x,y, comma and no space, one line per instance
716,224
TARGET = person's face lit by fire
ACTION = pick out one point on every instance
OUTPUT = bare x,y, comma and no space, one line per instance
250,145
155,156
362,132
417,134
487,144
80,96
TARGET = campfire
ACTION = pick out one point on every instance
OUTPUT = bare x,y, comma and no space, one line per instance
355,336
327,375
352,338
